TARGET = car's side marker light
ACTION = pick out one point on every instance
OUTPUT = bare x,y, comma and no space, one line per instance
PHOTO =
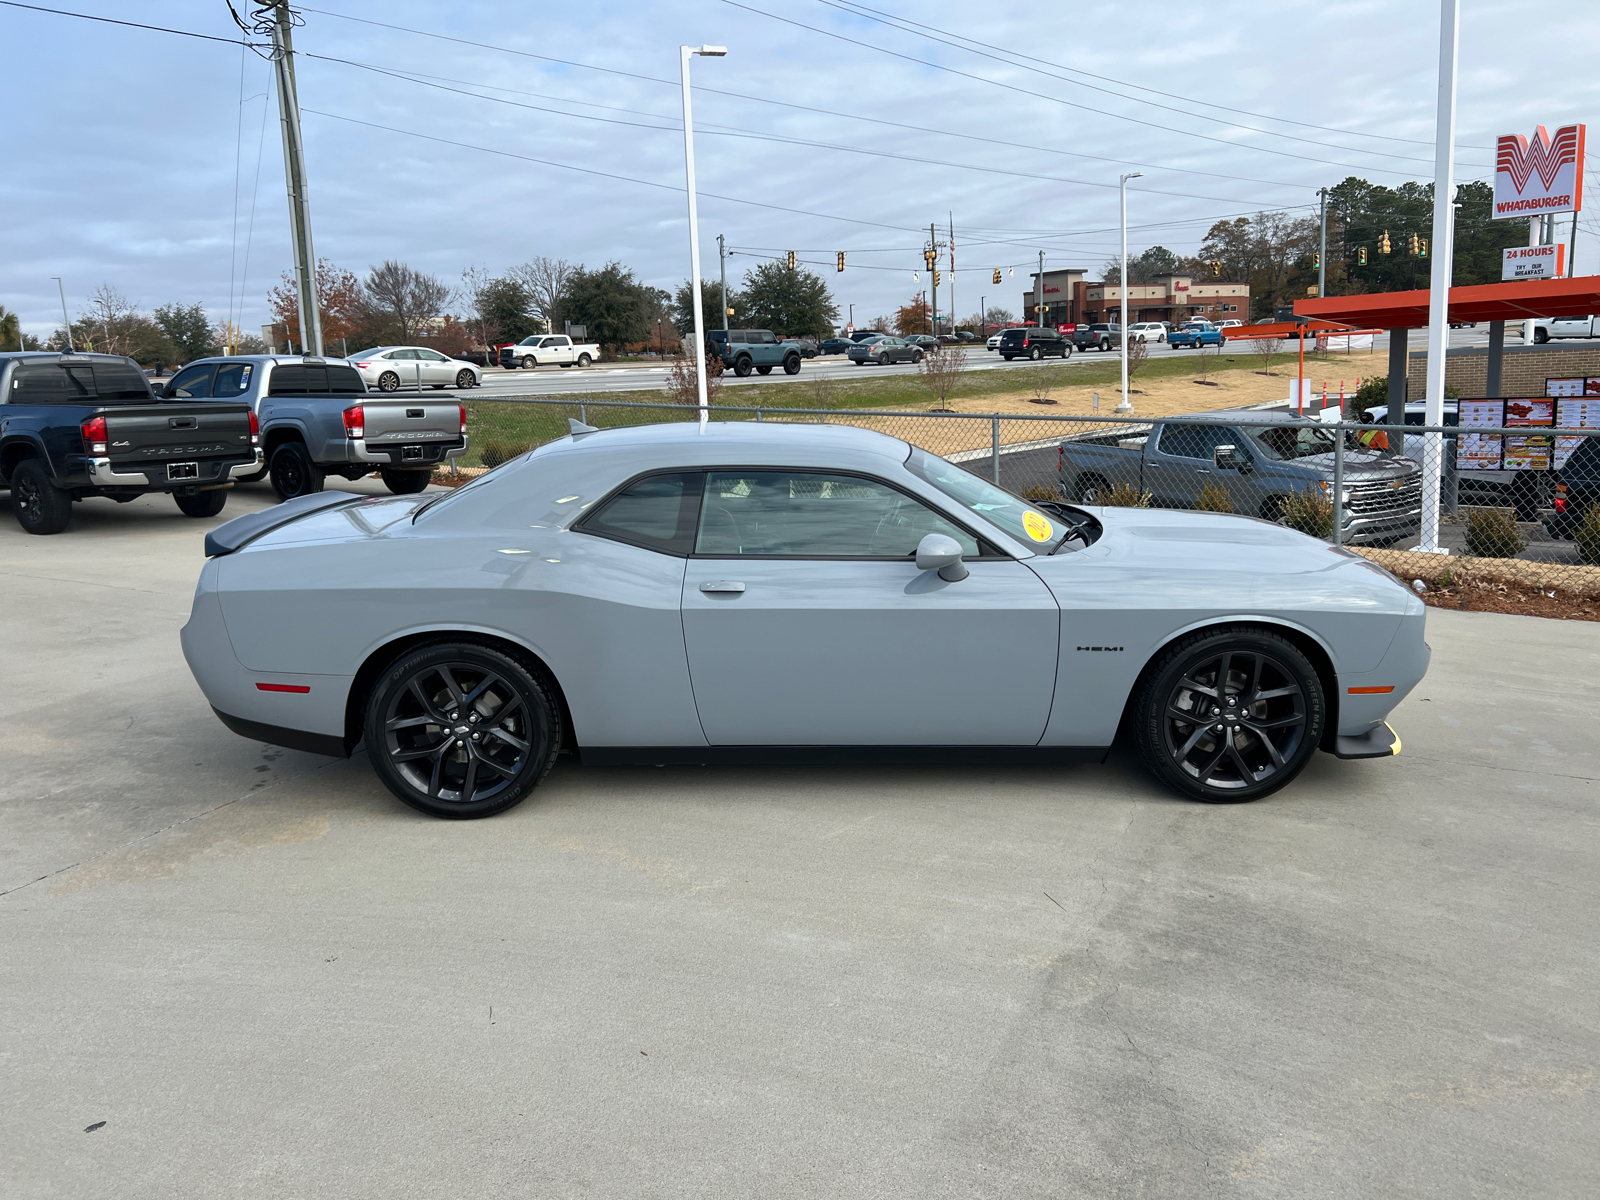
1372,691
297,688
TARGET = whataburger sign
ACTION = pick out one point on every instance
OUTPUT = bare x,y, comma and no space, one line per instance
1541,175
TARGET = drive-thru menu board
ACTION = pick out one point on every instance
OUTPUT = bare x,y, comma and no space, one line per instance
1479,451
1574,413
1529,452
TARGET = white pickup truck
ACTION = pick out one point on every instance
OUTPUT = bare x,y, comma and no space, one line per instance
1546,328
545,349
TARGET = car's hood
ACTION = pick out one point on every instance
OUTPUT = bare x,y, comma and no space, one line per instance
1360,465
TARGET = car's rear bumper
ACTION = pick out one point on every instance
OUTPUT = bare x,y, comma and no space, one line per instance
395,454
210,473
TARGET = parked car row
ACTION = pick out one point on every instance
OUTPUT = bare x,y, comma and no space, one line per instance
79,425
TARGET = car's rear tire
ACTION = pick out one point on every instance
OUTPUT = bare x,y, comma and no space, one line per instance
584,360
39,505
405,483
293,472
1228,715
1089,488
202,504
742,367
465,380
388,382
460,730
791,365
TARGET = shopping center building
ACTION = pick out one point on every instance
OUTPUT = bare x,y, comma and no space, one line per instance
1069,299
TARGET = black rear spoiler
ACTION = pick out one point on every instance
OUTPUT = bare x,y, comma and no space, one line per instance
230,535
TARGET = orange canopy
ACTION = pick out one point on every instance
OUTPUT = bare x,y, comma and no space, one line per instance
1516,300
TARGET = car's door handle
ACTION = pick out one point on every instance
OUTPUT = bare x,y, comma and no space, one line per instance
721,585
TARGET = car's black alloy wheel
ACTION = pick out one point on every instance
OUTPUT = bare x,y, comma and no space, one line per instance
40,506
461,730
293,472
1229,715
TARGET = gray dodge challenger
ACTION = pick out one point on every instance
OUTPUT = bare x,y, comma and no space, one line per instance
742,592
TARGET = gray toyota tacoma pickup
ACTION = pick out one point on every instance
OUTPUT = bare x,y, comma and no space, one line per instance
318,419
74,426
1254,466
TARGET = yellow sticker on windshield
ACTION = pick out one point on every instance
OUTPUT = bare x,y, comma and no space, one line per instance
1039,529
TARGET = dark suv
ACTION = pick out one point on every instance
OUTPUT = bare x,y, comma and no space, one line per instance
1577,489
1032,342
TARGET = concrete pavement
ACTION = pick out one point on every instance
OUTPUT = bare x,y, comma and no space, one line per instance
269,979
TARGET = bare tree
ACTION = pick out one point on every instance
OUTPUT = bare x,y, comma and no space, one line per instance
1138,355
683,385
941,368
404,299
546,280
1205,354
109,315
473,292
1267,349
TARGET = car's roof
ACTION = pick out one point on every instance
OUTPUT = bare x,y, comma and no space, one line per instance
57,355
746,443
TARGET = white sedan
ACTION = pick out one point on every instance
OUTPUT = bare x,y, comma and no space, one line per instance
390,368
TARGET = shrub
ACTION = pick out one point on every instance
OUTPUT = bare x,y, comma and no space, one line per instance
495,452
1214,497
1309,512
1039,493
1493,532
1586,537
1124,495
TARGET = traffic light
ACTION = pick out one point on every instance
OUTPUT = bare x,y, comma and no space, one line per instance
997,275
928,257
1383,243
1361,256
1216,266
1316,260
841,260
1411,245
1422,247
791,260
937,276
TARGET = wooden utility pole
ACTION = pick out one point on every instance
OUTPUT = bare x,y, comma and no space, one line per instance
294,174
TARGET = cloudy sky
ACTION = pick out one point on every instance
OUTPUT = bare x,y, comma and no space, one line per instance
485,133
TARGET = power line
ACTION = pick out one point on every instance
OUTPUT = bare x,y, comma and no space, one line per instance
922,62
920,29
61,12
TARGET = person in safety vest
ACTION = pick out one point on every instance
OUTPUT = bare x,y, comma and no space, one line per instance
1372,439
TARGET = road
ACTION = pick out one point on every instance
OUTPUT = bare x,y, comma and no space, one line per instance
252,973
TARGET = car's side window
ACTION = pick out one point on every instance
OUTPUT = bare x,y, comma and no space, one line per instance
232,378
431,356
657,512
404,355
1193,441
193,383
808,514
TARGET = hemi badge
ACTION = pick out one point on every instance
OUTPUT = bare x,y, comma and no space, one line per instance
299,689
1366,691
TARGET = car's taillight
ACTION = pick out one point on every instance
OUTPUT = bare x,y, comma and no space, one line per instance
463,409
1561,498
255,428
355,422
361,366
94,435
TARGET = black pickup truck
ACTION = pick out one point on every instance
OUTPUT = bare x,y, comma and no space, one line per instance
80,425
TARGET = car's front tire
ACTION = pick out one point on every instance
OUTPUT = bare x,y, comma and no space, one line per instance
202,504
791,365
1228,715
460,730
529,362
465,380
293,472
40,506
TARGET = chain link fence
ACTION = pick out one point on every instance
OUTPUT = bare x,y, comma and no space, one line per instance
1516,508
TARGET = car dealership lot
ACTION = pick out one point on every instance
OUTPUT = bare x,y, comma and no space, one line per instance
268,977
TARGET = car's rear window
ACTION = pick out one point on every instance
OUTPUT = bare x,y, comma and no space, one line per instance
99,382
313,379
658,512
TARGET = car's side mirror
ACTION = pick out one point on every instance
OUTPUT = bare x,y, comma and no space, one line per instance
1228,458
937,552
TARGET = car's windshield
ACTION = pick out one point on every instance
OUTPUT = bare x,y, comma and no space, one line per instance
1018,518
1284,442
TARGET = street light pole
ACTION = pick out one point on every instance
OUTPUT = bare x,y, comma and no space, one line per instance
1322,246
1124,327
722,274
1444,166
684,54
852,318
65,320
